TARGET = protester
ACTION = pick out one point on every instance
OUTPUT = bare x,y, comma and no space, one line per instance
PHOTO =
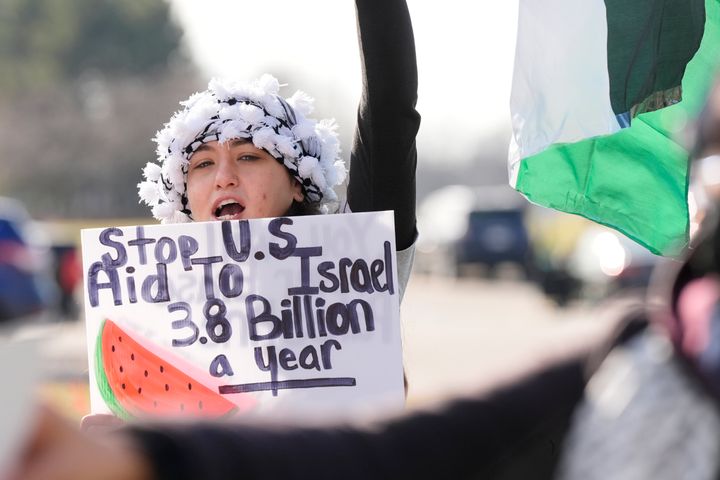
241,151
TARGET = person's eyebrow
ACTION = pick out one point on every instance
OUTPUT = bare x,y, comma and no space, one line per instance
239,141
202,148
233,143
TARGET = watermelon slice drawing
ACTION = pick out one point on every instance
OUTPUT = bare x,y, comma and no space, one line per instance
135,382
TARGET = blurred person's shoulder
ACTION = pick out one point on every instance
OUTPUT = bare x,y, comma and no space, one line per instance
642,413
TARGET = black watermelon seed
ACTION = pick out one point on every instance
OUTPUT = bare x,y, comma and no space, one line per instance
121,369
113,348
146,373
139,389
123,386
132,356
161,369
167,387
119,339
189,386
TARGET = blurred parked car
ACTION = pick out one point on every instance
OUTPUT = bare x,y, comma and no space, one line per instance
606,262
462,227
26,286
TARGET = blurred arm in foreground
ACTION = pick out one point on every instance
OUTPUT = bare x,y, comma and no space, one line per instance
519,423
58,451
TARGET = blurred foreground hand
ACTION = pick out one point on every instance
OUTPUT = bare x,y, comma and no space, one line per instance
56,450
100,423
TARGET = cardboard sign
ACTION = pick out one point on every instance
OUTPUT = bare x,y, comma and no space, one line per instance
268,316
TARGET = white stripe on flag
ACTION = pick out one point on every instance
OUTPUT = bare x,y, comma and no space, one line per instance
561,86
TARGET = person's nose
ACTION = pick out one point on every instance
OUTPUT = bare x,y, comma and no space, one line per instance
226,174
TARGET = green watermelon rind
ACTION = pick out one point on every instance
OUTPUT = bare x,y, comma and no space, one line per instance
102,381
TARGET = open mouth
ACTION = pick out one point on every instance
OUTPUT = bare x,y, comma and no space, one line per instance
228,210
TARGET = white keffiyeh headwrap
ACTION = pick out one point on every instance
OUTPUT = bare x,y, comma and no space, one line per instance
229,110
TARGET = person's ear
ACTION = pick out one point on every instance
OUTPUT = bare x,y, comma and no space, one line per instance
297,191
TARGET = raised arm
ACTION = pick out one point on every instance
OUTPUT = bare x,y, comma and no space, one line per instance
384,155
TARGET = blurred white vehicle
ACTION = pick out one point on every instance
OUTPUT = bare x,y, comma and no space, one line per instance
607,262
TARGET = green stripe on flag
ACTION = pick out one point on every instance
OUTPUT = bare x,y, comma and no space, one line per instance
635,180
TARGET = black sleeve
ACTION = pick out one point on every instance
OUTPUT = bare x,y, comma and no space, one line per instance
384,157
490,437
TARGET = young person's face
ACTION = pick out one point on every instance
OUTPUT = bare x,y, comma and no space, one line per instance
236,180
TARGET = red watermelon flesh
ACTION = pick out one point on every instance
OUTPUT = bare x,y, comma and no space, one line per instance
136,382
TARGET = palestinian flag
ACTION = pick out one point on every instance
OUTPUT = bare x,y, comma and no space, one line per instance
602,93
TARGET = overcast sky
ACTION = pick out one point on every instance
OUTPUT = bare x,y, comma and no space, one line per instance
465,56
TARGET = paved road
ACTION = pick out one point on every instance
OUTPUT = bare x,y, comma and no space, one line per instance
463,335
458,334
